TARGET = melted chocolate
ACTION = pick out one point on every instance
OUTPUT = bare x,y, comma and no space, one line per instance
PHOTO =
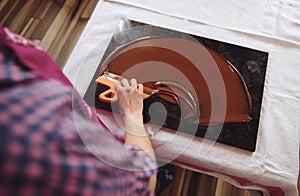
219,89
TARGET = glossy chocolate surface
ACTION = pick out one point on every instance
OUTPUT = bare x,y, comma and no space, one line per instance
148,63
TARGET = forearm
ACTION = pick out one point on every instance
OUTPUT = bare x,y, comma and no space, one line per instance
136,134
131,105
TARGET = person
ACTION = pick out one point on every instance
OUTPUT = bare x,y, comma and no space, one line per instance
52,143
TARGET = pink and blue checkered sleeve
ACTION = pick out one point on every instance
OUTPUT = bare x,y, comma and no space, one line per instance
49,146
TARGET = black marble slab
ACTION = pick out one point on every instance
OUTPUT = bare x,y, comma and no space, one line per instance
250,63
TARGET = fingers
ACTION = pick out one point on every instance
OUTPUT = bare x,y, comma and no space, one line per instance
133,83
127,87
127,84
140,88
124,83
118,86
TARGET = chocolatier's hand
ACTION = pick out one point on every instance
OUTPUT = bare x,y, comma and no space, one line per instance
130,100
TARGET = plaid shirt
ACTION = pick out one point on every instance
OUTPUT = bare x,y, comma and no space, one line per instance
49,145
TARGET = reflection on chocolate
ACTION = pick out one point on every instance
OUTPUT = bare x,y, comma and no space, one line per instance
209,77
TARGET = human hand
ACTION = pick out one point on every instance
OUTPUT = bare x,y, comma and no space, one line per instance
130,100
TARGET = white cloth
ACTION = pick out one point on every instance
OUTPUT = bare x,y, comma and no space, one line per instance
268,25
272,18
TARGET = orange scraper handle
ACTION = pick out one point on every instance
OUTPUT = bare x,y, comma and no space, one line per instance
110,95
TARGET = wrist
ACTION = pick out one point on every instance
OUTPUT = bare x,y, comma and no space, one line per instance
133,118
134,125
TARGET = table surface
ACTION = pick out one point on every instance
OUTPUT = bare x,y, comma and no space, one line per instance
275,160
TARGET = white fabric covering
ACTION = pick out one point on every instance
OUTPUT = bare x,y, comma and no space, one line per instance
268,25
